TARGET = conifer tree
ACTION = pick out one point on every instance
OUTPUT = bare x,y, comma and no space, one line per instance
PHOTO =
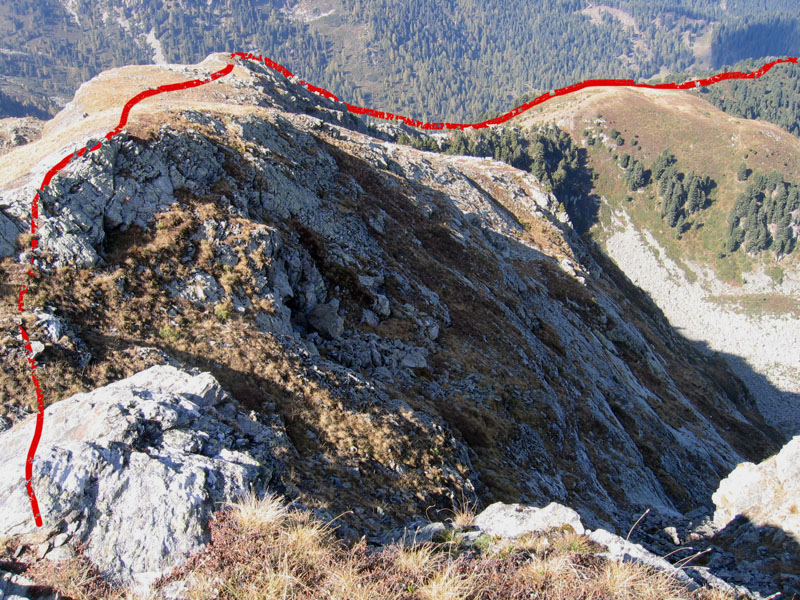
742,173
662,162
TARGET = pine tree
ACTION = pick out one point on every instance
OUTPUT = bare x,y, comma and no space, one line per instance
662,162
783,237
695,198
743,172
635,176
672,212
679,194
735,233
774,179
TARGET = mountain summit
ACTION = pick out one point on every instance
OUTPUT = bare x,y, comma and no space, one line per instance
415,327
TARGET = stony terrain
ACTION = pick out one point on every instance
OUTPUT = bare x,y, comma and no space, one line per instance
424,328
18,131
750,341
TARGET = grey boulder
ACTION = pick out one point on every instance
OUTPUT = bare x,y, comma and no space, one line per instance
326,320
134,469
516,520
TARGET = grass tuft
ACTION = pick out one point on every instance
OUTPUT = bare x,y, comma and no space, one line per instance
259,514
451,583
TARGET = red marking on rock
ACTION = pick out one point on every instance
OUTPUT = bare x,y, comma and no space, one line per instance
360,110
37,434
351,108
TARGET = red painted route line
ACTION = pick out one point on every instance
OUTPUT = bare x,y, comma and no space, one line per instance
37,434
359,110
351,108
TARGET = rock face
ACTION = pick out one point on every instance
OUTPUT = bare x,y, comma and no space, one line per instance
758,513
326,320
134,469
768,494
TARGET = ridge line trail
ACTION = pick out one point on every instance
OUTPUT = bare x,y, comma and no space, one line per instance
133,101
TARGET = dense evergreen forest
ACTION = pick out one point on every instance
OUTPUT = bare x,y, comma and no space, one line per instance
766,216
545,151
775,97
431,59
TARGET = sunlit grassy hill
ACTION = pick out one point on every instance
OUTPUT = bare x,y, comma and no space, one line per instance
703,139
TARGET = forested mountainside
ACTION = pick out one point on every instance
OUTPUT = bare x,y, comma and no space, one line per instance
775,97
443,59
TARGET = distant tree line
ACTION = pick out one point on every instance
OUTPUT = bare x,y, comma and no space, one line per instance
431,59
760,35
546,152
775,97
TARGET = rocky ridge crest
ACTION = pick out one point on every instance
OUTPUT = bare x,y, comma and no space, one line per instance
425,326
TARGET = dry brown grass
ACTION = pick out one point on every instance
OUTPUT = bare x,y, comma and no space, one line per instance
261,549
463,513
347,581
277,566
535,543
263,515
75,578
570,542
306,539
450,583
554,574
417,561
628,581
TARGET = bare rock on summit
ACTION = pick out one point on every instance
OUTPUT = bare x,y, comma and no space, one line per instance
134,469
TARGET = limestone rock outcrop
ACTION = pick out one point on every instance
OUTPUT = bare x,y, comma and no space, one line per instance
758,516
768,494
135,469
515,520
